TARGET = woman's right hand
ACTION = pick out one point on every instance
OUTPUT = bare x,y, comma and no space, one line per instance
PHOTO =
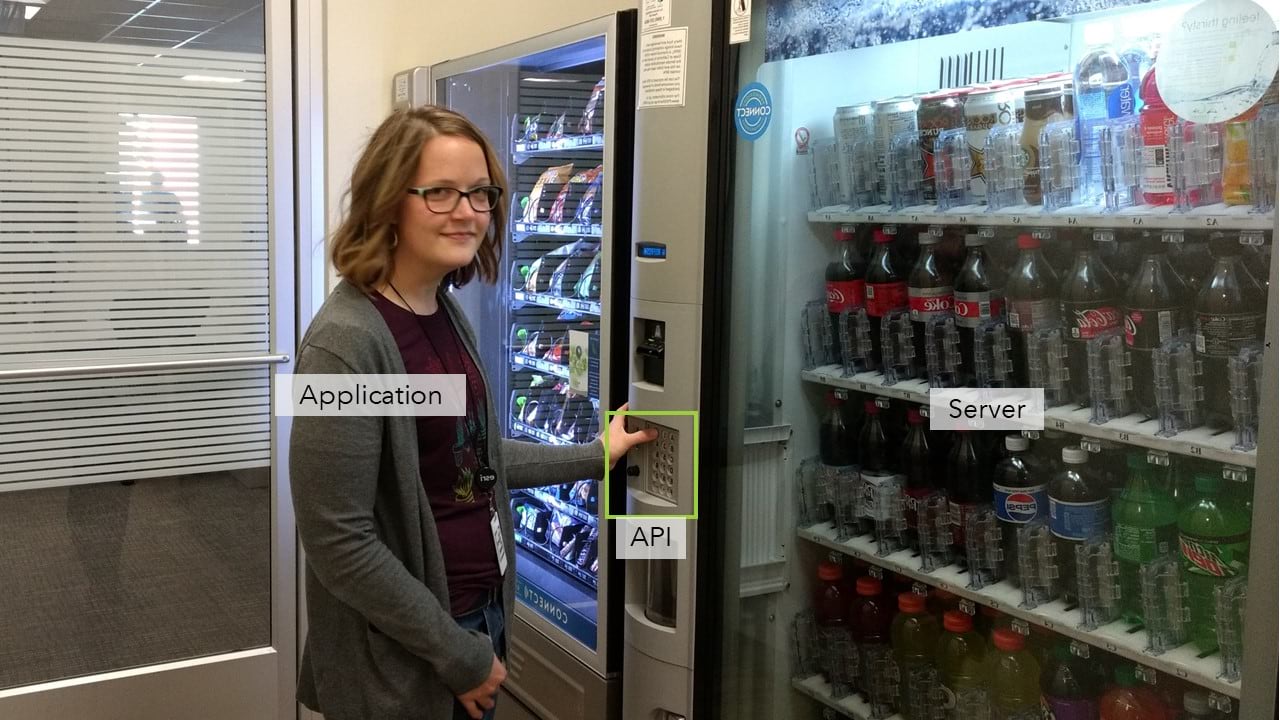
480,699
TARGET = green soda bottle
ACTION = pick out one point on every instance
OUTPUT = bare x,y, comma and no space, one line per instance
914,634
1213,537
1145,522
961,652
1013,677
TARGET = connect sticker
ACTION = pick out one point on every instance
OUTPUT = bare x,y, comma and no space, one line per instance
753,111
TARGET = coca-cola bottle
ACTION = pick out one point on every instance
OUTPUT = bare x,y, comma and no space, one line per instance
886,287
1230,312
1032,296
968,482
845,291
978,297
918,462
1191,258
836,441
1155,309
1089,302
873,446
929,291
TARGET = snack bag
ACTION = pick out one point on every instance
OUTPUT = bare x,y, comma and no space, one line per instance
587,205
557,174
589,113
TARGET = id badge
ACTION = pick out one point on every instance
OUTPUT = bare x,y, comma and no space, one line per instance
500,547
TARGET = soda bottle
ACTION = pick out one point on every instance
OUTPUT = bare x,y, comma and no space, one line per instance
1122,252
929,291
1013,677
1032,294
1154,311
870,619
872,445
1192,260
968,483
1127,701
978,297
845,286
886,287
1020,496
915,641
836,441
1155,119
917,463
1103,93
1145,521
1230,312
1077,512
830,598
1089,304
1069,686
961,653
1213,537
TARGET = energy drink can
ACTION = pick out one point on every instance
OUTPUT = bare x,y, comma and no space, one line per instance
984,108
1050,100
937,112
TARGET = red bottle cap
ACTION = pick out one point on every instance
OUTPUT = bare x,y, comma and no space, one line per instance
1027,241
871,407
1008,640
913,417
829,571
880,238
868,586
844,235
956,621
911,603
832,400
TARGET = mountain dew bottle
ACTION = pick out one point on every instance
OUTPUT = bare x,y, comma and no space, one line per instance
1213,537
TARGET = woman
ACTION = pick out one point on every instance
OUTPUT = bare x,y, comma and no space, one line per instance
407,531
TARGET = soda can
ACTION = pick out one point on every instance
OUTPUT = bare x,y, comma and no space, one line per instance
855,134
943,110
1050,100
985,108
893,116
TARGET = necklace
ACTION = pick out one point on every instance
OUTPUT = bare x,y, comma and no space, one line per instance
486,477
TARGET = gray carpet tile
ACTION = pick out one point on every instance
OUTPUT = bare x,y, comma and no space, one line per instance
105,577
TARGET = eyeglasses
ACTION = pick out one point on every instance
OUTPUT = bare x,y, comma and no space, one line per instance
441,200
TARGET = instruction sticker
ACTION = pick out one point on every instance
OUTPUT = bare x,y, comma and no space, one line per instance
739,21
663,58
655,15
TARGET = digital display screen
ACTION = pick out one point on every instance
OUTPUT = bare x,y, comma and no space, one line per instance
651,250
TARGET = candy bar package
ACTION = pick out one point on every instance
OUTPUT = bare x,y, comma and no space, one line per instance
555,175
557,129
587,213
589,113
586,177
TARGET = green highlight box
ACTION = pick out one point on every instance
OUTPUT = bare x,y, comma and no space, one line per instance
651,414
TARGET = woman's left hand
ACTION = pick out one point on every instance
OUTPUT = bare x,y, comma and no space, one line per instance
620,441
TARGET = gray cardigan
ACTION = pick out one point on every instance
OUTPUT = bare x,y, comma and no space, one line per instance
381,643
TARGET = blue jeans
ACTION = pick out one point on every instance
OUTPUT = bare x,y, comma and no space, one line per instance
489,620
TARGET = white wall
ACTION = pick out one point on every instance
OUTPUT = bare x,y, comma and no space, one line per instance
368,41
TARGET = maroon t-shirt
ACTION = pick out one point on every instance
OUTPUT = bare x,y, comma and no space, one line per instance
447,454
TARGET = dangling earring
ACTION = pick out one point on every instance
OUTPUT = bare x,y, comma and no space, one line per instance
395,239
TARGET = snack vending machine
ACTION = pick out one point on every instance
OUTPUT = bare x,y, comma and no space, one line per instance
907,199
557,108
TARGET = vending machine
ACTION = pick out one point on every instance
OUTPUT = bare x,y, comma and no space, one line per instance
1068,202
558,109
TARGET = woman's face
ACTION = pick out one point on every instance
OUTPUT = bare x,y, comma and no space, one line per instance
444,242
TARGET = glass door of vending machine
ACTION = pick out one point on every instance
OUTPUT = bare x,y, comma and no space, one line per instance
558,109
1065,199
